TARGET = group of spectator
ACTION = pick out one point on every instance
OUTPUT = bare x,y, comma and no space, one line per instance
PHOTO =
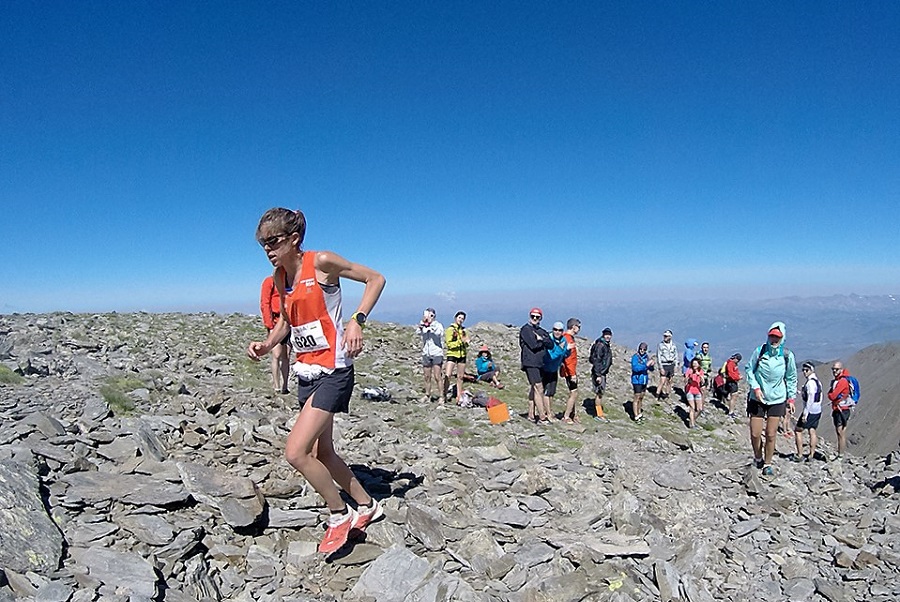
546,357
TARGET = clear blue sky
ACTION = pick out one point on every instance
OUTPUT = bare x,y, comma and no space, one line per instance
453,146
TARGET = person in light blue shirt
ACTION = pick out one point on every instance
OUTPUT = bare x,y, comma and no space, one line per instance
772,377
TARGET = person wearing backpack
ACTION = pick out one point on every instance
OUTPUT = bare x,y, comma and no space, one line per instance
841,395
772,377
725,384
812,411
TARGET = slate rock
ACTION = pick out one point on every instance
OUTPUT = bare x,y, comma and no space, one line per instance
237,498
94,486
127,572
29,539
425,525
392,576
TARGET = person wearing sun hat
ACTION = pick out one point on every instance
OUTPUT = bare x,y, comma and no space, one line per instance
486,368
772,377
534,341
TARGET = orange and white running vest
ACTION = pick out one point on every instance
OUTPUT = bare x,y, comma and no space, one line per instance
314,312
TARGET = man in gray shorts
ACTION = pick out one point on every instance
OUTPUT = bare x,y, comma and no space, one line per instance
432,333
666,357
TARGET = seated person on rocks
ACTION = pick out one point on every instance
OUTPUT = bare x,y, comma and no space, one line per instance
487,368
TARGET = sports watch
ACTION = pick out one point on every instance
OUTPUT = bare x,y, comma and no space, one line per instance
360,318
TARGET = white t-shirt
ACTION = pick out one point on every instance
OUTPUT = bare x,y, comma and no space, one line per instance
813,403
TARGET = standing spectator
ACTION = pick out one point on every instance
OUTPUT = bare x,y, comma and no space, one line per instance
839,393
569,370
553,359
812,411
641,365
725,384
270,308
601,360
486,367
534,341
457,342
666,356
772,377
690,351
432,333
705,363
693,391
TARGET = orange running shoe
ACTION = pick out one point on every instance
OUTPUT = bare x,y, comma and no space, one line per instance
338,531
367,514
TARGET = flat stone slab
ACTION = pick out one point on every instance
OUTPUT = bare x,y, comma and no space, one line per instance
127,572
139,490
237,498
392,576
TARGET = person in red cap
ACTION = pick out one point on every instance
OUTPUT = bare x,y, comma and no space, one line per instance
486,367
534,341
772,377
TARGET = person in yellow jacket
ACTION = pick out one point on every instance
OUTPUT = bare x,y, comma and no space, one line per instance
456,341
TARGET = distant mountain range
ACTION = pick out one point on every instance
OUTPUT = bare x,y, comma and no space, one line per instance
819,328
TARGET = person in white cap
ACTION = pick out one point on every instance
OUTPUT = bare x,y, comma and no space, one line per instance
553,359
666,357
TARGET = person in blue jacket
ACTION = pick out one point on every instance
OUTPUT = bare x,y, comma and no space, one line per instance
486,367
690,351
641,365
553,359
772,377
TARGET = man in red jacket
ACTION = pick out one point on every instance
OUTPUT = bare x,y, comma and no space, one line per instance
841,404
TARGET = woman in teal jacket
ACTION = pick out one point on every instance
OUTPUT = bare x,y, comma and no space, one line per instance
772,377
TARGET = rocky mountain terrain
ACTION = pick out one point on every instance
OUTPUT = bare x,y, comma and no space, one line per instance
141,459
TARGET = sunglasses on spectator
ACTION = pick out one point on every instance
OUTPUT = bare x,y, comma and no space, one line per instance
533,317
557,330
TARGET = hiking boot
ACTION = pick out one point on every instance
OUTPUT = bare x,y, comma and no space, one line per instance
767,471
732,415
759,462
794,458
338,531
601,418
806,459
365,515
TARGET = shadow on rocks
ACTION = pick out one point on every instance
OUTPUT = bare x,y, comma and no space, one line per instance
381,483
888,482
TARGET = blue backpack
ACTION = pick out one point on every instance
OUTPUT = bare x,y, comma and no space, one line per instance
854,388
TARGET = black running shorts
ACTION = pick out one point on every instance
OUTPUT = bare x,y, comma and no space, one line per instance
330,392
756,409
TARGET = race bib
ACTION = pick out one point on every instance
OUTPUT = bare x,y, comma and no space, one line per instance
309,337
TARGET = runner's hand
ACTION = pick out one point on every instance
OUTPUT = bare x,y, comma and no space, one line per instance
256,350
353,338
